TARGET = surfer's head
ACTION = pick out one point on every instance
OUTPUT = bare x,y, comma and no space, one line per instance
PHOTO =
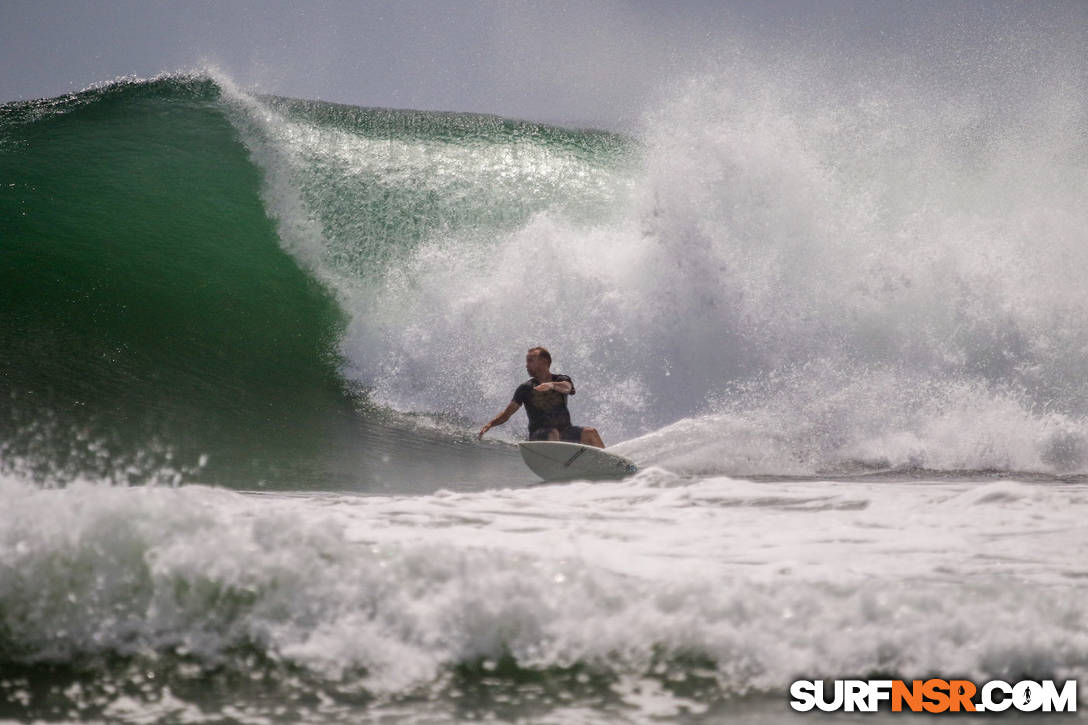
538,361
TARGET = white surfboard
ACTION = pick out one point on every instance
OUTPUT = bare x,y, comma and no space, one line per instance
558,461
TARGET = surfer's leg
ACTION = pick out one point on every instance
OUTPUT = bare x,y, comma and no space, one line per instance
571,434
590,437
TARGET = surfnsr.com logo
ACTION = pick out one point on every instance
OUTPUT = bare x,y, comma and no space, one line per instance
933,696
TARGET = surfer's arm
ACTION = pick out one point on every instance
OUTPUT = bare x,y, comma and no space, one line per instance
500,418
561,386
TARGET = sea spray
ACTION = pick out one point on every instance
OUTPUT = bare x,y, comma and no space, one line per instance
769,238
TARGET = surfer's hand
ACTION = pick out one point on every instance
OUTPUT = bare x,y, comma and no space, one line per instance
544,387
486,428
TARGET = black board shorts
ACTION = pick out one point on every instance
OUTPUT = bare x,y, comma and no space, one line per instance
570,434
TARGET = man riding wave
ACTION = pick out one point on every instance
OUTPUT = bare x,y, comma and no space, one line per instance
544,396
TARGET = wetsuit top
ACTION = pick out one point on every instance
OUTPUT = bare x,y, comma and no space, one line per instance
545,410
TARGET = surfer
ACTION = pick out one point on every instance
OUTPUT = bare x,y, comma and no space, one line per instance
544,396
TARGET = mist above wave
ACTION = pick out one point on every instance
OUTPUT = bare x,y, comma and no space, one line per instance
880,272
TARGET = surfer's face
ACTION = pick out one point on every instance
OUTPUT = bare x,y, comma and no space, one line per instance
536,365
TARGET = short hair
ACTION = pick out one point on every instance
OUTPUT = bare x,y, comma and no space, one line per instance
542,352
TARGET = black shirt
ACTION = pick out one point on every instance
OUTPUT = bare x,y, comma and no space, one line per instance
547,409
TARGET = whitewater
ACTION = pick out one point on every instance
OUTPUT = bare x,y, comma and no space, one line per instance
246,343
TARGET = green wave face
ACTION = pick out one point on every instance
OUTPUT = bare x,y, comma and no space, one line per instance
147,312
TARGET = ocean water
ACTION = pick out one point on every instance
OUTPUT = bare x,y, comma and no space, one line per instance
246,343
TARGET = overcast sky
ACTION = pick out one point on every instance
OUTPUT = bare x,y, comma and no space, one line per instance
571,62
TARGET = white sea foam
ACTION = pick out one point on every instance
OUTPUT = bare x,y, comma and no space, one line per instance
755,583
